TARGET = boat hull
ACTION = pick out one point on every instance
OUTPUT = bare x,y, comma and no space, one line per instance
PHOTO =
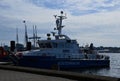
51,62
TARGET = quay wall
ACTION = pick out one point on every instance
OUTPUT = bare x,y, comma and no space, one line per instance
56,73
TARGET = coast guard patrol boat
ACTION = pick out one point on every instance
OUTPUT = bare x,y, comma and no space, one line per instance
61,52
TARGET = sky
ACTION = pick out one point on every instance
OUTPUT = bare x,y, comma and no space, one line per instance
88,21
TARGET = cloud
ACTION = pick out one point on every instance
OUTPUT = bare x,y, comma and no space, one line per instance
100,28
79,7
52,4
20,9
88,21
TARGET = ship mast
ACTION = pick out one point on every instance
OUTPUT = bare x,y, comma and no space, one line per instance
17,38
26,36
35,36
59,25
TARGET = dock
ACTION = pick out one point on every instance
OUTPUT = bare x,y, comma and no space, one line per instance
8,75
17,73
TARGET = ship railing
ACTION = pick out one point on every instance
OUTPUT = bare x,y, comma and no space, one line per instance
82,56
70,56
105,57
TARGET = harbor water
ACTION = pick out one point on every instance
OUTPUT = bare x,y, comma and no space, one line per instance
113,70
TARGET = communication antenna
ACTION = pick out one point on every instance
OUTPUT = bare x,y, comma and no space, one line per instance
55,16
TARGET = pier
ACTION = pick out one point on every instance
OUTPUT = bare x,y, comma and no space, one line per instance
8,75
17,73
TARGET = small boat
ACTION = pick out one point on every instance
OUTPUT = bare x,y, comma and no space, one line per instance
61,52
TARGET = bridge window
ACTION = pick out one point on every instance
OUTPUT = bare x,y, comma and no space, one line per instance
45,45
55,45
66,51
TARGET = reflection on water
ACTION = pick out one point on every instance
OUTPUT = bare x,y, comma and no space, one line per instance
113,70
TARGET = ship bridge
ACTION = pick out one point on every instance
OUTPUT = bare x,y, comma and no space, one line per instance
63,43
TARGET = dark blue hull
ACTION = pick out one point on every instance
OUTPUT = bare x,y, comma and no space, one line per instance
50,62
5,59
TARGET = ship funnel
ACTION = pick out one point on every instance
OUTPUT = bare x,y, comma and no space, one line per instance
12,46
